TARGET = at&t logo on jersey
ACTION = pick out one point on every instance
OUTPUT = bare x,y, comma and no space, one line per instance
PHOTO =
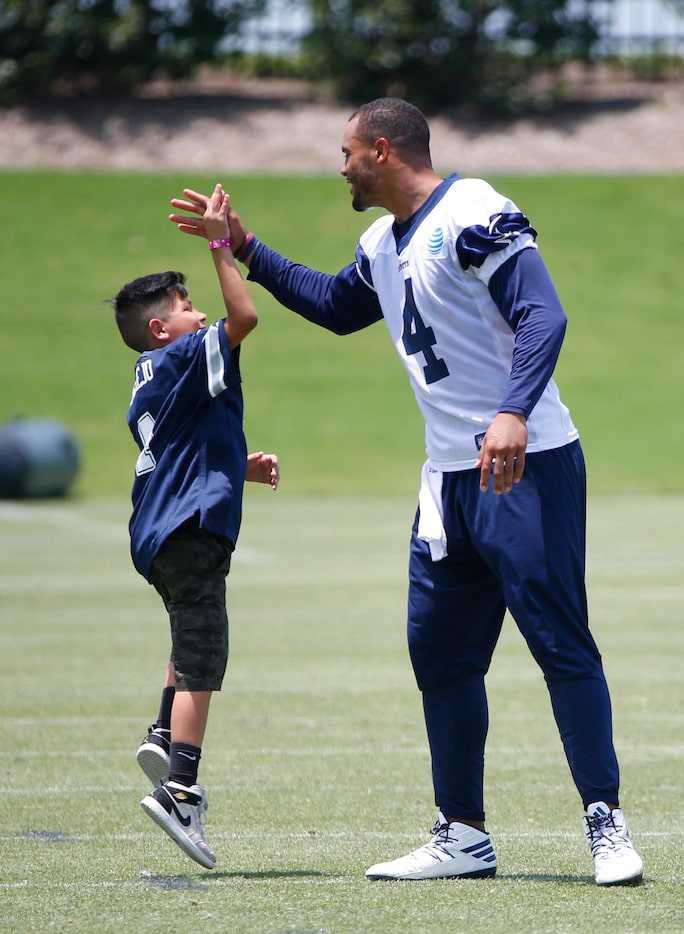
435,242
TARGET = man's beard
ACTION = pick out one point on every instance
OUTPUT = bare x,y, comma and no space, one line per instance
363,191
357,203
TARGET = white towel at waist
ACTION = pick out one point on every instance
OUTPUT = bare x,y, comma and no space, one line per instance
431,518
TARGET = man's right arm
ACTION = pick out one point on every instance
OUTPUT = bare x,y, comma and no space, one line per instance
342,303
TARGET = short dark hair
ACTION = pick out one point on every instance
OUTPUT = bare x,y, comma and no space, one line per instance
401,123
143,299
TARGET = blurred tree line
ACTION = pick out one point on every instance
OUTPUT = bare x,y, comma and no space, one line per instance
433,52
110,46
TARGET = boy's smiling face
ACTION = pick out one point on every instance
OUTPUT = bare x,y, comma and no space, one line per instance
181,318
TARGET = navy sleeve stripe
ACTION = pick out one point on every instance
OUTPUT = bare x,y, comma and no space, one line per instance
476,243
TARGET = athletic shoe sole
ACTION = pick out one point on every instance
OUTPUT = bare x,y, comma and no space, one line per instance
634,880
167,823
154,762
432,873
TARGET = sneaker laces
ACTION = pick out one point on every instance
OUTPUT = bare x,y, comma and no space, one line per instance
605,832
202,806
442,833
155,733
441,830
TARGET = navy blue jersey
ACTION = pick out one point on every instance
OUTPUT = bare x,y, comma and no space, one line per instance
186,416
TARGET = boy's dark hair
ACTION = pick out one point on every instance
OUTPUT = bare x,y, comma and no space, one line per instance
142,299
402,124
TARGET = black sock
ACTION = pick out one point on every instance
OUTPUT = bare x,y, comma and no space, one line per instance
164,716
183,763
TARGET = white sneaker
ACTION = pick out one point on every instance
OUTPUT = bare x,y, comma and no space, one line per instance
456,851
180,811
616,862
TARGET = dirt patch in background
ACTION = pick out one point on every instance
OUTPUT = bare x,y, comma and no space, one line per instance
234,125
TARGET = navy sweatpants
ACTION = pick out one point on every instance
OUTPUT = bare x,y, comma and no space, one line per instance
524,550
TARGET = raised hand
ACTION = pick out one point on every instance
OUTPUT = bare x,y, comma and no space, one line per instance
196,204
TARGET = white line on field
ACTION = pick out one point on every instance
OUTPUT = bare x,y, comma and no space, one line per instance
63,518
209,882
180,882
86,525
31,722
356,836
371,749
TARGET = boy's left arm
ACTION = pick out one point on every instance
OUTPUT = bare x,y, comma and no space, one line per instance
241,316
263,468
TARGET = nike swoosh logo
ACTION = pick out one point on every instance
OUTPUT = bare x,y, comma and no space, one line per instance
185,821
187,755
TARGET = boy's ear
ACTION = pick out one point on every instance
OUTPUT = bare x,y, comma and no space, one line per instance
158,332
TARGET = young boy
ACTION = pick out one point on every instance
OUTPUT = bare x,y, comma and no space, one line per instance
186,416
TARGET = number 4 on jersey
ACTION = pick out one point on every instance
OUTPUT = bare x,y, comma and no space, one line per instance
417,338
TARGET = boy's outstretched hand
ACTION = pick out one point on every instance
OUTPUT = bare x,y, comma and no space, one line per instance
263,468
196,203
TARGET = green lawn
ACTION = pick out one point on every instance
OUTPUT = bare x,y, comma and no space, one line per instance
338,410
315,759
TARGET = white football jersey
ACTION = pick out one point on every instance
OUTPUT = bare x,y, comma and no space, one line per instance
432,283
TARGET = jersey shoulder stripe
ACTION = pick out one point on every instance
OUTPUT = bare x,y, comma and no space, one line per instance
479,241
216,371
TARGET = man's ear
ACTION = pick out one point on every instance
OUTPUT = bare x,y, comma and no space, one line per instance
382,149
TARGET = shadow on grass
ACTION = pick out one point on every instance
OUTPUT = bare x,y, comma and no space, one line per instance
46,836
173,883
544,877
178,883
493,880
271,874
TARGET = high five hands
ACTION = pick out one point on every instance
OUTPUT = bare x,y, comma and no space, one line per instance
191,221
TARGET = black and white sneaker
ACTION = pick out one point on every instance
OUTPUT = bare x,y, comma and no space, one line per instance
456,851
180,811
153,755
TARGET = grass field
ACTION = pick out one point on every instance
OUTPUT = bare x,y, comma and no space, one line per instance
315,759
338,410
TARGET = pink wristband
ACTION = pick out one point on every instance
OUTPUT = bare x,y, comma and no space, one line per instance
217,244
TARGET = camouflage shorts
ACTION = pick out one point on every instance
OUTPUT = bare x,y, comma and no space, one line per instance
189,572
